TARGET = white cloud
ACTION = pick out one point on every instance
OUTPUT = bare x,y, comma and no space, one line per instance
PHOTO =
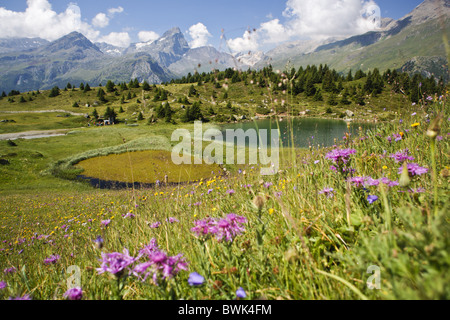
273,31
147,36
39,20
100,20
248,42
113,11
199,34
311,19
118,39
327,18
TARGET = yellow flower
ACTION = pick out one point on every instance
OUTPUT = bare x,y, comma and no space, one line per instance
385,167
415,125
271,211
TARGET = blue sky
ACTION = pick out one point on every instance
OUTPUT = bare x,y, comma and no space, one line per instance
120,22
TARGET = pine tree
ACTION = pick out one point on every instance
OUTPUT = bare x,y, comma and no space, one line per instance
95,114
54,92
110,86
140,116
101,95
146,86
75,105
87,88
82,86
318,96
192,91
332,100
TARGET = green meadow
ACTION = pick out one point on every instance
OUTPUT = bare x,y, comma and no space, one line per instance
365,219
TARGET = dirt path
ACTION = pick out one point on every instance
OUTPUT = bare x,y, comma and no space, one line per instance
33,134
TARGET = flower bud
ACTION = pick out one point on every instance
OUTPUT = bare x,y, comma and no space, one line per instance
405,180
258,202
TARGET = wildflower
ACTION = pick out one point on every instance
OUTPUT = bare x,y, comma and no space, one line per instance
10,270
414,169
240,293
231,192
329,192
372,199
129,215
414,125
155,225
74,294
227,228
357,181
267,185
413,114
210,190
53,259
258,202
3,285
402,156
160,265
271,211
397,137
105,223
340,155
172,220
115,263
195,279
370,182
99,242
150,249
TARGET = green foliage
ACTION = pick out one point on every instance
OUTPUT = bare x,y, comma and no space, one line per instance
54,92
110,86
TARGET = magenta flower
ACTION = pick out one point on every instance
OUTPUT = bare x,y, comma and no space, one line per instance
231,192
227,228
150,249
173,220
329,192
340,156
402,156
53,259
357,181
74,294
10,270
159,264
414,170
129,215
155,225
3,285
105,223
116,263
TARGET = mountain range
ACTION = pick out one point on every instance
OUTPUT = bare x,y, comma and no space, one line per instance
412,44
